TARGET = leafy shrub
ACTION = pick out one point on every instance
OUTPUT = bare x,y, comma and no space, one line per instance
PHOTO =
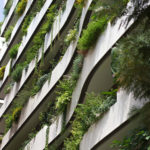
8,122
17,73
91,34
21,7
138,139
13,51
8,32
16,114
2,70
131,64
87,114
40,83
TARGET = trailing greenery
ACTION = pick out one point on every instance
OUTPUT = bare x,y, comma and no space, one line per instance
8,32
91,34
132,53
2,70
13,51
138,139
67,86
26,24
86,114
21,7
40,82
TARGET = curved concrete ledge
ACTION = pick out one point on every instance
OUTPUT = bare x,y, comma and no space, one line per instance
25,75
7,19
17,26
111,120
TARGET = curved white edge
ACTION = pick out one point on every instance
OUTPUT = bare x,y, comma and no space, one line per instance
17,86
15,29
32,27
11,11
117,115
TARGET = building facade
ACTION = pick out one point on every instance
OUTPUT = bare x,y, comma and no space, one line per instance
71,72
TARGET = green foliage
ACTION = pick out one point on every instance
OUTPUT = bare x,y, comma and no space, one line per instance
64,94
77,66
8,32
13,51
21,7
138,139
40,83
8,88
71,36
16,113
17,73
2,70
112,8
80,3
87,114
67,86
8,122
26,24
7,8
91,34
39,37
131,63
